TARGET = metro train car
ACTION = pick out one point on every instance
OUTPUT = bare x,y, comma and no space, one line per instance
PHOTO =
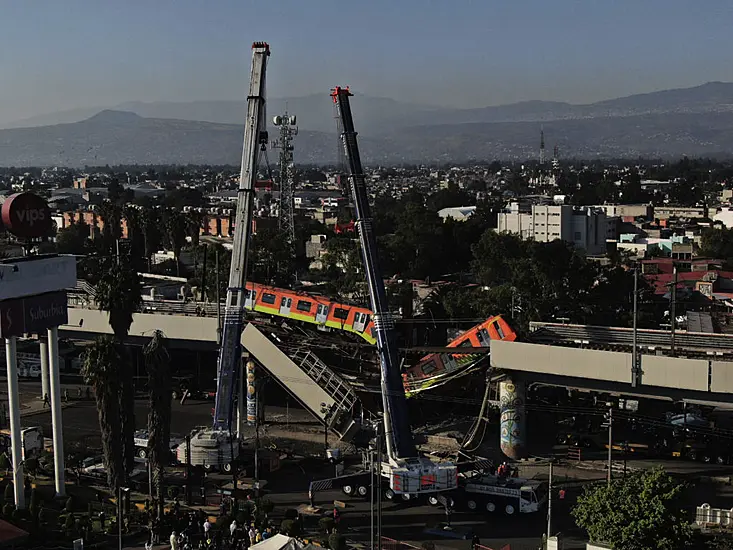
318,310
436,368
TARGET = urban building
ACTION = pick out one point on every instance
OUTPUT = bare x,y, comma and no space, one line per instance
586,227
458,213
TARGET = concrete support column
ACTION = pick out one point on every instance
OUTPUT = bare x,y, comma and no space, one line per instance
512,398
251,393
241,410
45,388
58,434
16,438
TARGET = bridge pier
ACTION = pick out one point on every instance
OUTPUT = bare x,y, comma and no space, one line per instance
513,417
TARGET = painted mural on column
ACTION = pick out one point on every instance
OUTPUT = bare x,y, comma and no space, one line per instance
512,419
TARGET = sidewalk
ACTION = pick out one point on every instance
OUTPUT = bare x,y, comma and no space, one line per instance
35,407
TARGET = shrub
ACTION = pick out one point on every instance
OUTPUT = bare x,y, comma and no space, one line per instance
36,497
290,528
326,524
69,505
70,520
31,465
267,506
9,492
4,462
8,510
337,542
173,491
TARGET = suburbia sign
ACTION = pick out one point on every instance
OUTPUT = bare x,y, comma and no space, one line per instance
33,314
26,215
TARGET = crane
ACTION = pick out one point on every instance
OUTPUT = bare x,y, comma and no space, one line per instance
216,448
408,472
255,138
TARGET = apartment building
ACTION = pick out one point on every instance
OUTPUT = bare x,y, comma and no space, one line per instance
586,227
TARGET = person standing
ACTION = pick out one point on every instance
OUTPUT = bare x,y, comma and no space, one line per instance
174,541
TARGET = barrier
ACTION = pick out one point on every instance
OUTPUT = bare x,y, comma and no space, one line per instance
574,453
709,517
392,544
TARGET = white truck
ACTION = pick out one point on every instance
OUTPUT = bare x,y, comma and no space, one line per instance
480,491
32,439
141,444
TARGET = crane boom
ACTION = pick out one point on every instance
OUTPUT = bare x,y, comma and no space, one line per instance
400,444
254,136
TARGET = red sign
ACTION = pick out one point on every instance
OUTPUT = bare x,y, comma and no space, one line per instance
33,314
26,215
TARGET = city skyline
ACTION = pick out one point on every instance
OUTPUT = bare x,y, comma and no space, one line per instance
83,54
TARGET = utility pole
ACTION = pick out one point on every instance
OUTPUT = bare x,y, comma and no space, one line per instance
610,440
635,370
672,313
549,503
218,299
378,468
371,498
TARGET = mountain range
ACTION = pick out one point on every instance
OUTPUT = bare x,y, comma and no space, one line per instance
690,121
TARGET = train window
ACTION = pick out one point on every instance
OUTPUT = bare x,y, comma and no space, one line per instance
499,330
429,368
268,298
341,313
303,305
465,344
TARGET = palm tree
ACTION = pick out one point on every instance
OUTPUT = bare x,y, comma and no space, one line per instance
101,369
176,226
157,362
119,292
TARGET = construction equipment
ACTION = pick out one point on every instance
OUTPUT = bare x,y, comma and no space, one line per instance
407,472
217,448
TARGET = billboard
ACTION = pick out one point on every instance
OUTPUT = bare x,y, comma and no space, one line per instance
36,275
26,215
33,314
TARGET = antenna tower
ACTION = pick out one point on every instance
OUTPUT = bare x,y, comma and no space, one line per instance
542,146
288,130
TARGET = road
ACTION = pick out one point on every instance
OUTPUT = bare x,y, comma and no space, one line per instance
403,522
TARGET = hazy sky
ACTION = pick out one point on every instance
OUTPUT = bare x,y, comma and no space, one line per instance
65,54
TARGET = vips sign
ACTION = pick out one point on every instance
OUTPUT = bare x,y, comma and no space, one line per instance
26,216
33,315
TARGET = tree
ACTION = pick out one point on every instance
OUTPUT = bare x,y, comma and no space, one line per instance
101,369
119,292
73,239
642,511
157,362
272,258
176,230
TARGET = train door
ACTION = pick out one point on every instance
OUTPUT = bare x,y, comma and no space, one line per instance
250,297
361,320
322,314
285,304
449,362
483,337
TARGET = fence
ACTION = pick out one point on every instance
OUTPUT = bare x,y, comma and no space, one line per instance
708,518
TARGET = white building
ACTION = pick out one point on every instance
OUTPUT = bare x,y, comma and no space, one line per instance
585,227
458,213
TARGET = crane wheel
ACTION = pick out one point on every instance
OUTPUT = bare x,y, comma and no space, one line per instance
490,507
348,490
433,500
142,453
362,491
509,510
227,467
471,505
389,494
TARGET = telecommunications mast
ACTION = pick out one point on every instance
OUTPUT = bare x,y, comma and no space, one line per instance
288,130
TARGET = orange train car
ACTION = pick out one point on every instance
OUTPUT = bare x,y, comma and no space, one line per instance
437,366
317,310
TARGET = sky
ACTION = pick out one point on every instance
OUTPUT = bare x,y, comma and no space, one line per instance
58,55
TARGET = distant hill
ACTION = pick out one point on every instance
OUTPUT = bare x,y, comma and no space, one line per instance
315,112
118,137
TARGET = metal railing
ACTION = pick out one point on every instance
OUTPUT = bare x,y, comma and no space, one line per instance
327,379
618,336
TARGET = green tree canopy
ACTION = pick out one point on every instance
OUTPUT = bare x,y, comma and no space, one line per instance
642,511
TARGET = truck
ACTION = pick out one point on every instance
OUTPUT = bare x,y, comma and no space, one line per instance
32,440
490,493
218,447
140,439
